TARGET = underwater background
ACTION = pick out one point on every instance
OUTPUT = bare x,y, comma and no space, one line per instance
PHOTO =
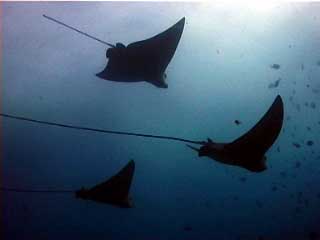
222,71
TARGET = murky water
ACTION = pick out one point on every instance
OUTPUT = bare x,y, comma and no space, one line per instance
230,64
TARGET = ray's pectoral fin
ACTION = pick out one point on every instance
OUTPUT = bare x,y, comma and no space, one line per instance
252,146
254,165
114,191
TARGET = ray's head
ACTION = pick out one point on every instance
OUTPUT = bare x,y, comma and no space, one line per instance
110,52
115,51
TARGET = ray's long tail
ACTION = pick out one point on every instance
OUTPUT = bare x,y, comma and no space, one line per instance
99,130
78,31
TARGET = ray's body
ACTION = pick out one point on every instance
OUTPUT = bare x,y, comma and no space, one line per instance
144,60
248,151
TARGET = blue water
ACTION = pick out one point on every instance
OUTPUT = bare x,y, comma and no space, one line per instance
220,72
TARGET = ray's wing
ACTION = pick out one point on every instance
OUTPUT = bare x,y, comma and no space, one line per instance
261,137
116,188
155,53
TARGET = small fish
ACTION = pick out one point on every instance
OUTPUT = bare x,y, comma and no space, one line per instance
275,84
237,122
297,145
310,143
275,66
313,105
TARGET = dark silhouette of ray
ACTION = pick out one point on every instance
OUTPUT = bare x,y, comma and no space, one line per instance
114,191
145,60
275,66
275,84
249,150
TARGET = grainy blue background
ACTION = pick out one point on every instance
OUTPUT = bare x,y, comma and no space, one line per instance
220,72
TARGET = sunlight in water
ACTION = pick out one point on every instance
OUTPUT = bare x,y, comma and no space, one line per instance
257,7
